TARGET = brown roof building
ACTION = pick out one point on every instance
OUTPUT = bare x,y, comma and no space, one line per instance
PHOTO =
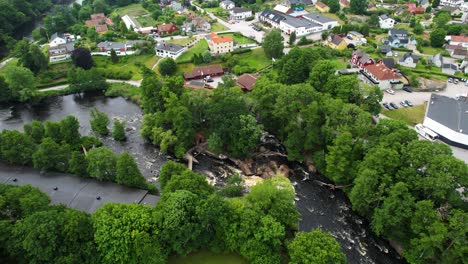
166,28
202,72
99,22
247,81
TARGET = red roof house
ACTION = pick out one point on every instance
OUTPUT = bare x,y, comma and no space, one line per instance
166,28
413,9
361,59
99,22
202,72
247,81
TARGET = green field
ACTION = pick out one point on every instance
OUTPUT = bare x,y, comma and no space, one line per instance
131,10
255,59
182,41
11,63
200,47
239,38
146,21
217,27
410,115
206,257
127,63
432,51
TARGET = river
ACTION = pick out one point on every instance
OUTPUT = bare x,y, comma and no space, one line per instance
319,206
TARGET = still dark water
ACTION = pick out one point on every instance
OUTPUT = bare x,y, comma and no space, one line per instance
319,206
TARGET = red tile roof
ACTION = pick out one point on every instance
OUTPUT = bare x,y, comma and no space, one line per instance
344,2
247,81
165,27
320,4
220,39
381,72
101,28
459,38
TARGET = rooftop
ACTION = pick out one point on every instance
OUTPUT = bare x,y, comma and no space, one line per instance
220,39
204,71
247,81
319,18
237,10
381,72
449,112
299,22
459,38
169,47
321,5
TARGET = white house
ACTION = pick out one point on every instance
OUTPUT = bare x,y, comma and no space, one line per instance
60,39
227,4
457,40
240,13
164,50
380,75
452,3
326,22
301,26
386,21
449,68
408,60
437,60
130,22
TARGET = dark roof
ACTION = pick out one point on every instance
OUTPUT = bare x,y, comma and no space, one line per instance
450,112
111,45
272,15
385,49
237,10
397,32
392,39
318,18
299,22
463,52
409,54
335,39
449,66
384,16
168,47
389,62
247,81
204,71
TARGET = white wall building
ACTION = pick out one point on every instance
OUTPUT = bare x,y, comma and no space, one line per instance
452,3
165,50
227,4
326,22
386,22
301,26
240,13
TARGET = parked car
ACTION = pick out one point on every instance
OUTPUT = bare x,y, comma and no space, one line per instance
450,80
409,103
394,105
455,81
390,91
466,83
407,89
386,106
403,103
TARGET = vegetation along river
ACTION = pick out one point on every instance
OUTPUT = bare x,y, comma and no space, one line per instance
319,206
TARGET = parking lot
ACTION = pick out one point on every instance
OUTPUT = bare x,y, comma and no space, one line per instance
418,98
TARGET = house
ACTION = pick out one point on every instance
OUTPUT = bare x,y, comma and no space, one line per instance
282,9
449,68
300,26
399,11
457,40
447,116
176,6
240,13
380,75
371,7
408,60
61,52
454,11
99,22
344,3
386,49
355,38
58,39
166,28
204,71
399,38
437,60
220,44
120,48
197,24
336,42
400,33
130,22
396,42
322,7
464,66
424,3
389,62
454,3
386,21
247,81
271,17
227,4
459,53
326,22
361,59
293,3
170,50
413,9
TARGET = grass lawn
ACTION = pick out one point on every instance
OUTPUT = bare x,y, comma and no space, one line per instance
432,51
340,63
206,257
127,63
255,59
146,21
410,115
240,39
216,27
131,10
200,47
182,42
11,63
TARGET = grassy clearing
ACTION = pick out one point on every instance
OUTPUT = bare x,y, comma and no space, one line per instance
217,27
340,63
11,63
200,47
432,51
131,10
206,257
410,115
127,63
182,41
240,39
255,59
125,90
146,21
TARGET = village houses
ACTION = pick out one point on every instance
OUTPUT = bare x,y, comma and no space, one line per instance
220,44
170,50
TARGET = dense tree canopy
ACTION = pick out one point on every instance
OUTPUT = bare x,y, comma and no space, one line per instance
273,44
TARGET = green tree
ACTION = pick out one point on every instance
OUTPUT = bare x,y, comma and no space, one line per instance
292,38
315,246
86,80
152,101
321,73
101,164
78,164
81,57
127,172
441,19
435,3
118,132
206,56
341,158
273,44
114,57
334,6
53,130
358,7
167,67
21,83
234,187
21,201
169,169
91,34
51,156
69,130
30,56
99,122
5,92
189,181
418,29
59,235
35,130
16,147
373,20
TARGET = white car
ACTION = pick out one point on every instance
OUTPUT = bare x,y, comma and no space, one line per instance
390,91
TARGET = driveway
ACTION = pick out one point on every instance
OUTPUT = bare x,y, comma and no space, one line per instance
418,98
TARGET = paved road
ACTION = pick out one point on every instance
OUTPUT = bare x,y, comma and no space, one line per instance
73,191
61,87
2,64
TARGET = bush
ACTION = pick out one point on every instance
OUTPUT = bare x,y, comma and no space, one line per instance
99,122
240,51
250,18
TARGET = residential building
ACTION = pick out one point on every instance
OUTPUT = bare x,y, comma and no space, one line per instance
282,9
344,3
454,3
326,22
449,68
240,13
99,22
61,52
271,17
400,33
361,59
322,7
437,60
170,50
380,75
464,66
399,38
59,39
389,62
454,11
355,38
413,9
292,3
424,3
408,60
220,44
386,21
386,49
227,4
166,28
247,81
120,48
448,117
334,41
176,6
130,22
459,53
204,71
399,11
197,24
457,40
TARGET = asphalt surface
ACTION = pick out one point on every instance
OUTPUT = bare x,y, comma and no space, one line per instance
73,191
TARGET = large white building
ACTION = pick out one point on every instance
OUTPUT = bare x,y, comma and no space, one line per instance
170,50
448,117
240,13
386,21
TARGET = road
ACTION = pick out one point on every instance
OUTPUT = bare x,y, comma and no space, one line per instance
3,63
64,86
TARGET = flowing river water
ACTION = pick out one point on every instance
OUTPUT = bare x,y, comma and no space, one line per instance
319,206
